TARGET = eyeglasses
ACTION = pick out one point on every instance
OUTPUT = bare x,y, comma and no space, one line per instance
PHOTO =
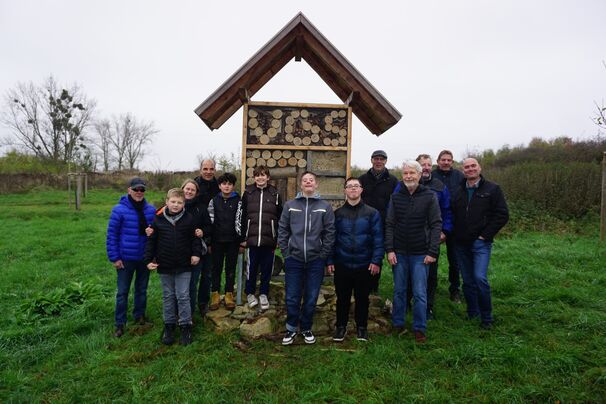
139,190
353,187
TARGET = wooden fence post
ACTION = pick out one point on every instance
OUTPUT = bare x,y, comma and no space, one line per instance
85,184
78,191
603,209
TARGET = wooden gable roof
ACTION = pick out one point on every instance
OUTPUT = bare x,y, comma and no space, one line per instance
299,39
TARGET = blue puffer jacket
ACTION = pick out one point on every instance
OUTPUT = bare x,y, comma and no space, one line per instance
359,240
123,239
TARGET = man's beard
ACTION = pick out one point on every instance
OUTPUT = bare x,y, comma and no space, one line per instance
410,184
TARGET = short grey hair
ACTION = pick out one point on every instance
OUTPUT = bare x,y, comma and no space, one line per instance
412,164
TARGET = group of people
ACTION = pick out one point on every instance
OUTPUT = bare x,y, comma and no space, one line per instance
205,224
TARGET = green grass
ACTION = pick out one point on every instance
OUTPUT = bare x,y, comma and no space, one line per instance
549,342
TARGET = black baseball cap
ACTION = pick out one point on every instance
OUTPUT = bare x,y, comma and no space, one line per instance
137,182
379,153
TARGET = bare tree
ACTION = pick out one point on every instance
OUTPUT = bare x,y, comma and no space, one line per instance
102,141
47,120
141,134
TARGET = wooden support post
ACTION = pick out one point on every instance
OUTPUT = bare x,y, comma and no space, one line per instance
69,189
78,191
85,184
239,279
603,209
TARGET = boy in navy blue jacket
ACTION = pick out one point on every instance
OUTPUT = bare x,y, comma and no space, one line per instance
357,258
225,211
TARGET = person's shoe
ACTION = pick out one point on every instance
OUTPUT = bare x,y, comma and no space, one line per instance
168,335
202,307
264,302
215,299
289,337
119,331
430,314
398,331
455,297
230,304
141,320
185,335
485,325
308,336
252,301
420,337
339,334
362,334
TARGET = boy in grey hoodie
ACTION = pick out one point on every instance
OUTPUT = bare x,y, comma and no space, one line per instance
306,235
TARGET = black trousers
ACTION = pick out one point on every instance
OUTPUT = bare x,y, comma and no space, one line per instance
359,281
228,253
454,272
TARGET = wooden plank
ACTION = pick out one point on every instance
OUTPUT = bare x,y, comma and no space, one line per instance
349,144
296,105
292,147
244,131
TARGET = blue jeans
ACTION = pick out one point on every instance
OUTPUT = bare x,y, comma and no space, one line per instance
302,280
125,277
205,279
410,266
473,261
175,298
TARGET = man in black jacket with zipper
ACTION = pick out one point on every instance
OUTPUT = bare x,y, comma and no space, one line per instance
480,211
378,185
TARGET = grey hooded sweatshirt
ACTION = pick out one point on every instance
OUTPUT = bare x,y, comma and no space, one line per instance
306,229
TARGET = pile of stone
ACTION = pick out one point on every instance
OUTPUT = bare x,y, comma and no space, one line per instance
254,323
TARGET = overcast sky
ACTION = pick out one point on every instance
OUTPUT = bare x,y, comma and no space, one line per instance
466,75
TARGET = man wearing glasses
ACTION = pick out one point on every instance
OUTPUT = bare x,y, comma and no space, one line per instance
358,254
125,245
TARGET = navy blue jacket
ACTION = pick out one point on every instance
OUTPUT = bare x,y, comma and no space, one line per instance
225,215
452,179
359,236
123,240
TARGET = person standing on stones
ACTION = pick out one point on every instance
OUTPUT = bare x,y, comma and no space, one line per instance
358,254
208,188
378,185
306,235
125,244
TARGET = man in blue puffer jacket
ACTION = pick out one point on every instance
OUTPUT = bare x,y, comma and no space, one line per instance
125,245
357,258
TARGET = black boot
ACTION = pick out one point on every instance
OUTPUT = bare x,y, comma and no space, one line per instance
185,334
168,335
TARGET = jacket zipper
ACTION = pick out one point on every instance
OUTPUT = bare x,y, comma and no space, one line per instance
305,232
260,218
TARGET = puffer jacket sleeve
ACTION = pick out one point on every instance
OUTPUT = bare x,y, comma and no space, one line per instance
378,249
390,222
329,233
284,231
112,241
434,222
151,246
445,210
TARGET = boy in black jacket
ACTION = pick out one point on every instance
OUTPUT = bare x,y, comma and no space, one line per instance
225,210
173,249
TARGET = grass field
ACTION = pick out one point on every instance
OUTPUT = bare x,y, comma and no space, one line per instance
548,344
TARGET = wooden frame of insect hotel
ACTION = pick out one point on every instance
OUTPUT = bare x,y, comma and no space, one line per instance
290,138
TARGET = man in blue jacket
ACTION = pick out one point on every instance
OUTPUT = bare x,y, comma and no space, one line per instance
357,257
125,245
306,235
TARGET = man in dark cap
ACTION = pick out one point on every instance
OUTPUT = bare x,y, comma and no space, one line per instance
125,245
378,185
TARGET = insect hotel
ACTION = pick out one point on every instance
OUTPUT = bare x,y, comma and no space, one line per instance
291,138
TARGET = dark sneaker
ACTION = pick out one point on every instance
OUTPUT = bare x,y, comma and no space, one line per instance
185,334
339,334
398,331
168,335
309,337
486,325
289,337
455,297
362,334
119,331
141,320
420,337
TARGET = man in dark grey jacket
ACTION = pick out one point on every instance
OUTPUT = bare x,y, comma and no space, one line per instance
306,235
412,241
